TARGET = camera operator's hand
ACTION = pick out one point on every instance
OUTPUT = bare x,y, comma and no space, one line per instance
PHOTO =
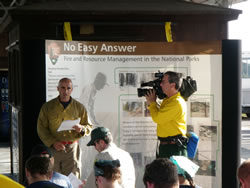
150,96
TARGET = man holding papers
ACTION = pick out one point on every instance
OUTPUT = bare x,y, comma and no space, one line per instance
61,123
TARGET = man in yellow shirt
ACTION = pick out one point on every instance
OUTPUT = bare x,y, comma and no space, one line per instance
170,117
63,144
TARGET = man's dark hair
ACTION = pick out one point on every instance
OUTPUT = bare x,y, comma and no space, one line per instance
174,77
162,173
37,165
111,174
108,169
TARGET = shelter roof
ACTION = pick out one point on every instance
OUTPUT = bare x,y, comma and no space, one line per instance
121,10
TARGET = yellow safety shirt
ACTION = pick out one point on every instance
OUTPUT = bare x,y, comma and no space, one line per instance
9,183
170,117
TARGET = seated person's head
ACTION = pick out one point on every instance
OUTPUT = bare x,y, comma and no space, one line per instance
42,151
244,174
101,137
161,173
186,170
38,168
107,173
186,179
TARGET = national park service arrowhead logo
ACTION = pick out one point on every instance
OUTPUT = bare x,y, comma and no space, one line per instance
54,51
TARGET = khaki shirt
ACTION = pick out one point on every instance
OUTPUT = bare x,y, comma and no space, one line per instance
52,114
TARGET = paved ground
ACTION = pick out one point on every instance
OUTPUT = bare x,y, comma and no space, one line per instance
245,139
5,159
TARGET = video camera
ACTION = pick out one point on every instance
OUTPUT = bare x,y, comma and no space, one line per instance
155,84
188,87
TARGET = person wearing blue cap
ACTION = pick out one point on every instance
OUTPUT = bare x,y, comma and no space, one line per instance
102,140
107,173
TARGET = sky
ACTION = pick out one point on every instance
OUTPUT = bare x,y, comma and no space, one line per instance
240,28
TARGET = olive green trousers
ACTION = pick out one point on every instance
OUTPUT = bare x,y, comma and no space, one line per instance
168,150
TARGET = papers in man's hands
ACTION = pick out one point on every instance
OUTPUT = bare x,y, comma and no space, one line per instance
68,124
74,180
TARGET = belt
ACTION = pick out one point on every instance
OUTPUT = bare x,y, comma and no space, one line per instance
178,140
173,138
68,142
167,142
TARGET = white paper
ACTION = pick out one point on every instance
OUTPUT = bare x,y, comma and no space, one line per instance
186,164
68,125
74,180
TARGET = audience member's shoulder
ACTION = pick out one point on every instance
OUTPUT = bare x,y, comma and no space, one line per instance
8,182
61,179
57,174
44,184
